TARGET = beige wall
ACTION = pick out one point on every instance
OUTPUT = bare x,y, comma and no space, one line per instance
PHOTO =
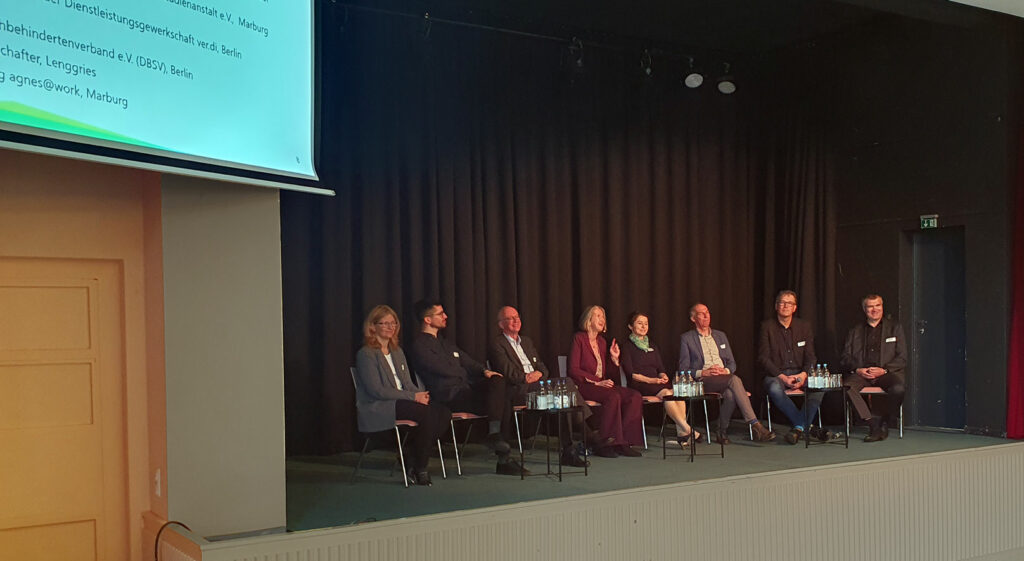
224,356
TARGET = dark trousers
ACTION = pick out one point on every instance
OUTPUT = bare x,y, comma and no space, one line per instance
893,386
620,415
432,420
486,397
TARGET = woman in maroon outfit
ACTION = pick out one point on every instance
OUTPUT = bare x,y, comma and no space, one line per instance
594,365
645,372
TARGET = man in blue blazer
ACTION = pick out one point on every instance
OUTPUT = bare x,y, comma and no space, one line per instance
707,353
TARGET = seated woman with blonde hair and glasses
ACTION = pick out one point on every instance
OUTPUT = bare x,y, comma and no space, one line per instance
386,391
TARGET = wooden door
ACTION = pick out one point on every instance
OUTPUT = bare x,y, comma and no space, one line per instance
63,487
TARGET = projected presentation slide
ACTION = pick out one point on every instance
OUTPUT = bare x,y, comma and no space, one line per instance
223,80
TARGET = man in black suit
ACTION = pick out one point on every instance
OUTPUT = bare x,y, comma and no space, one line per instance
515,356
876,354
455,379
786,354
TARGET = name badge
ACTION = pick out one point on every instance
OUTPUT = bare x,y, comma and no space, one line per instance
455,354
890,340
401,367
534,359
722,345
801,343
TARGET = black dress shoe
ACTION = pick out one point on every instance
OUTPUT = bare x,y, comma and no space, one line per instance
629,452
511,467
722,438
607,452
568,458
420,478
794,436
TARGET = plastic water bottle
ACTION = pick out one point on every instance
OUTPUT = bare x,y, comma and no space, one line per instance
565,394
542,396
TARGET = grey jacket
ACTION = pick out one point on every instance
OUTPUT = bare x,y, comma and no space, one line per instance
376,391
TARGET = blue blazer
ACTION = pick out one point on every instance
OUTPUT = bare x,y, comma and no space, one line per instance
691,355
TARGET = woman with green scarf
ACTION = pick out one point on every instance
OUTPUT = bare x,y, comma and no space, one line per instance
645,373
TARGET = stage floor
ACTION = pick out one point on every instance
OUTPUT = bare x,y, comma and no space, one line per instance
320,495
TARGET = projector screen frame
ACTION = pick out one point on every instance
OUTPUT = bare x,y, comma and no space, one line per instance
24,138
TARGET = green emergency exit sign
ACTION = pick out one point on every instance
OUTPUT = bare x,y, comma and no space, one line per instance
929,221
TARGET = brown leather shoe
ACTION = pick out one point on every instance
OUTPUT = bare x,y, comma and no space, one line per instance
722,438
877,435
762,434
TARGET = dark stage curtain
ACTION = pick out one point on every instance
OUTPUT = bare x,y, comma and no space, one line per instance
476,167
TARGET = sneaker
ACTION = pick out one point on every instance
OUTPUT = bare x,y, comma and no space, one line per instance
794,436
823,435
497,444
762,434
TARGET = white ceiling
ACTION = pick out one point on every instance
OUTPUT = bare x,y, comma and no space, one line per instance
1012,7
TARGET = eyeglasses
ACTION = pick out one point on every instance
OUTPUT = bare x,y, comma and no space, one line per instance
787,304
387,323
512,318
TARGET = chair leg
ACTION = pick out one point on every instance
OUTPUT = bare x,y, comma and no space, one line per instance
455,445
846,412
401,456
707,420
405,438
901,420
440,454
643,427
359,462
768,415
519,438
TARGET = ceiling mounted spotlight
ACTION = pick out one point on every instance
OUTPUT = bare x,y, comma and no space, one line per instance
646,64
726,83
693,77
576,54
426,25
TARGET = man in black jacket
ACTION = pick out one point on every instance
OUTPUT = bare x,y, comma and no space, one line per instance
515,356
457,380
786,354
876,354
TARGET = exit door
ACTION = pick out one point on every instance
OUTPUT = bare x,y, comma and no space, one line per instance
938,331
